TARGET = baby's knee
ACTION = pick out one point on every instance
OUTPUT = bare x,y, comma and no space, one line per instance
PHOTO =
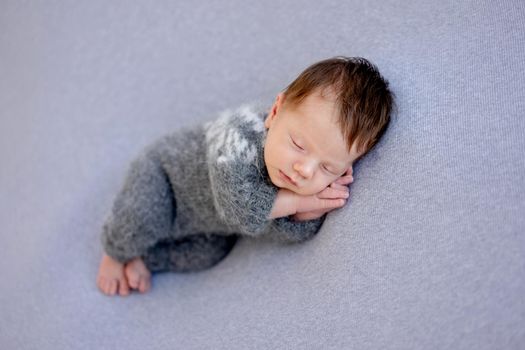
190,253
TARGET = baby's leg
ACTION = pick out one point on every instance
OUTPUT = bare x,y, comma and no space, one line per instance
143,214
144,210
189,253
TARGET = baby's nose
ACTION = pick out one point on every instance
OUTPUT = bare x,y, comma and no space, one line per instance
304,170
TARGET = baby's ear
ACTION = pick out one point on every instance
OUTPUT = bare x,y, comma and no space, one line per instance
270,117
273,110
267,120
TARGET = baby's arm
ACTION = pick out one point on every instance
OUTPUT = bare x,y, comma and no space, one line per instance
285,204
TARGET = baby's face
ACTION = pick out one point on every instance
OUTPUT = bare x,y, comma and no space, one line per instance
305,150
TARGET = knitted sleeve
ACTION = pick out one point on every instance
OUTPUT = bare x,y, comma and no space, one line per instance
241,201
242,197
287,230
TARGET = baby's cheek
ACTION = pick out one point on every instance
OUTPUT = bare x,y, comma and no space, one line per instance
322,186
333,180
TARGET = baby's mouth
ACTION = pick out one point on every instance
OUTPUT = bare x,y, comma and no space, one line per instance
288,178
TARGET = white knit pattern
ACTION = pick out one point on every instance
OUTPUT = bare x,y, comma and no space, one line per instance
224,135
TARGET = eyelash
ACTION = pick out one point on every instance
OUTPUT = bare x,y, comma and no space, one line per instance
299,147
296,145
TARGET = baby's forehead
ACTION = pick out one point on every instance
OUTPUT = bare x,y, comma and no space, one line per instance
326,125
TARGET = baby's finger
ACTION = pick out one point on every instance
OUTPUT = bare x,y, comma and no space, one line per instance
345,180
332,193
309,215
333,203
339,187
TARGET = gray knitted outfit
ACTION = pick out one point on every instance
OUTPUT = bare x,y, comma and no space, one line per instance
190,195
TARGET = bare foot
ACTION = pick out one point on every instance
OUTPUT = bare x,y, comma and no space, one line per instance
111,278
138,275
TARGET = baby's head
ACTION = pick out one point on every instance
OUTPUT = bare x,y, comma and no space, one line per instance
326,119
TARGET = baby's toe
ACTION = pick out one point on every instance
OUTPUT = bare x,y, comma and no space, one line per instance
141,284
113,288
144,284
123,287
133,281
105,285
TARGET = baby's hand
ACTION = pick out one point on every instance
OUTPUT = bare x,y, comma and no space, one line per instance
332,197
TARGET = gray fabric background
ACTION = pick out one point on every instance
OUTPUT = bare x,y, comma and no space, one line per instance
429,252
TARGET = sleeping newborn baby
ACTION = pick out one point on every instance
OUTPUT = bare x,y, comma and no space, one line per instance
188,197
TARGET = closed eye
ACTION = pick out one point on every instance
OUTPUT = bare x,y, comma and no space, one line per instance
296,145
302,149
325,168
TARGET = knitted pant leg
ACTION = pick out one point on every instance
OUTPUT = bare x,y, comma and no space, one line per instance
144,210
189,253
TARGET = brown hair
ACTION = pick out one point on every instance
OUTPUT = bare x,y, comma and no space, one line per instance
362,97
